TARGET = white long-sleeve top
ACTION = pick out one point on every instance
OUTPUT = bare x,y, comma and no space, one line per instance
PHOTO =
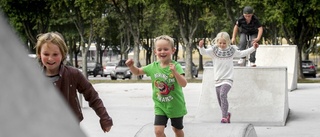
223,61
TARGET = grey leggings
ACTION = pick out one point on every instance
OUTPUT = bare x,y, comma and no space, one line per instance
243,45
222,95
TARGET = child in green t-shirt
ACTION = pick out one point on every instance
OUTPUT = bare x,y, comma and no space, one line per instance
167,81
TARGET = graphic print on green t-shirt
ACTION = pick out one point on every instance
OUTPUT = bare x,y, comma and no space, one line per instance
164,85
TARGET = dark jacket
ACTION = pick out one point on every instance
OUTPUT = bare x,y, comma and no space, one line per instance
251,28
72,80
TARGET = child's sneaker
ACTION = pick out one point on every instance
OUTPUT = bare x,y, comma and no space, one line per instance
253,64
241,61
224,120
228,117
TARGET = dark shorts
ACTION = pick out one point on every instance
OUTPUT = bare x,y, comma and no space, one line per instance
175,122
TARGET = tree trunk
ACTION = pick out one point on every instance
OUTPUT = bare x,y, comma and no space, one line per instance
136,56
84,52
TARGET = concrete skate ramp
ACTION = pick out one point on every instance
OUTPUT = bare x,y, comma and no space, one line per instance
259,96
204,130
29,105
279,56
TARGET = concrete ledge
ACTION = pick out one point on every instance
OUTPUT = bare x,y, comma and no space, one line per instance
280,56
259,96
30,105
204,130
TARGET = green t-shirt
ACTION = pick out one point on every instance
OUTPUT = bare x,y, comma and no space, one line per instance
167,93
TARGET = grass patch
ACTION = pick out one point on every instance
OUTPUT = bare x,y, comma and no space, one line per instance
308,81
119,81
189,81
135,81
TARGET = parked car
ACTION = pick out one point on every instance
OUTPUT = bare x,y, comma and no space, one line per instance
108,68
94,68
309,68
34,56
122,71
208,64
194,68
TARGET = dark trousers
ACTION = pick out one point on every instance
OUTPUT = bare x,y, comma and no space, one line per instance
243,45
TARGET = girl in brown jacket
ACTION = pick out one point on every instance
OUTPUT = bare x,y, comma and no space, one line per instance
51,51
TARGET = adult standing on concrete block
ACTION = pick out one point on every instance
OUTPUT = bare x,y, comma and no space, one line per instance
51,51
250,29
222,54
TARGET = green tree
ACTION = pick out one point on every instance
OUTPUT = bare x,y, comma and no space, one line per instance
217,16
131,14
83,14
29,18
299,22
158,19
188,14
62,23
107,32
296,21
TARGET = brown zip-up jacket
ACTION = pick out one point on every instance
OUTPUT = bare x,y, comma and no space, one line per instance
72,80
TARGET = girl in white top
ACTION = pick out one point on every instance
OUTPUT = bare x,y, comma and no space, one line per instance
222,54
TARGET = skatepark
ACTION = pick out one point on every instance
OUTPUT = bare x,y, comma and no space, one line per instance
264,101
131,108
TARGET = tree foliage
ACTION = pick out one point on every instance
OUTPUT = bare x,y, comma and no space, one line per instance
132,24
29,18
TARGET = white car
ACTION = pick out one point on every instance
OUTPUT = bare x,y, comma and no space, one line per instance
32,56
108,68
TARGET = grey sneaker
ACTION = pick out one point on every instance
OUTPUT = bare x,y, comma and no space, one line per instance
240,61
253,64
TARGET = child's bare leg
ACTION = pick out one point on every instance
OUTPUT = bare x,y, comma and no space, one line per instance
178,132
159,131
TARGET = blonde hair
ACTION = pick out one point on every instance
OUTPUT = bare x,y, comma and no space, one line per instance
165,37
54,38
222,35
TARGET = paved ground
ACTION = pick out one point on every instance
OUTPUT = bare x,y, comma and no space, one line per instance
131,107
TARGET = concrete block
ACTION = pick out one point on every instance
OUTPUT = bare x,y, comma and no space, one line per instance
30,105
204,130
280,56
259,96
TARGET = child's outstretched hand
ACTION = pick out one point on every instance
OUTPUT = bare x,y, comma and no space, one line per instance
201,43
129,62
107,129
255,45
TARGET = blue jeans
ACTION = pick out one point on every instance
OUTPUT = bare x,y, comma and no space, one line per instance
243,45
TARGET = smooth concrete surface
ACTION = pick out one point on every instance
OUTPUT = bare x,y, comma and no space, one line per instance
259,95
29,105
131,107
280,56
205,130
